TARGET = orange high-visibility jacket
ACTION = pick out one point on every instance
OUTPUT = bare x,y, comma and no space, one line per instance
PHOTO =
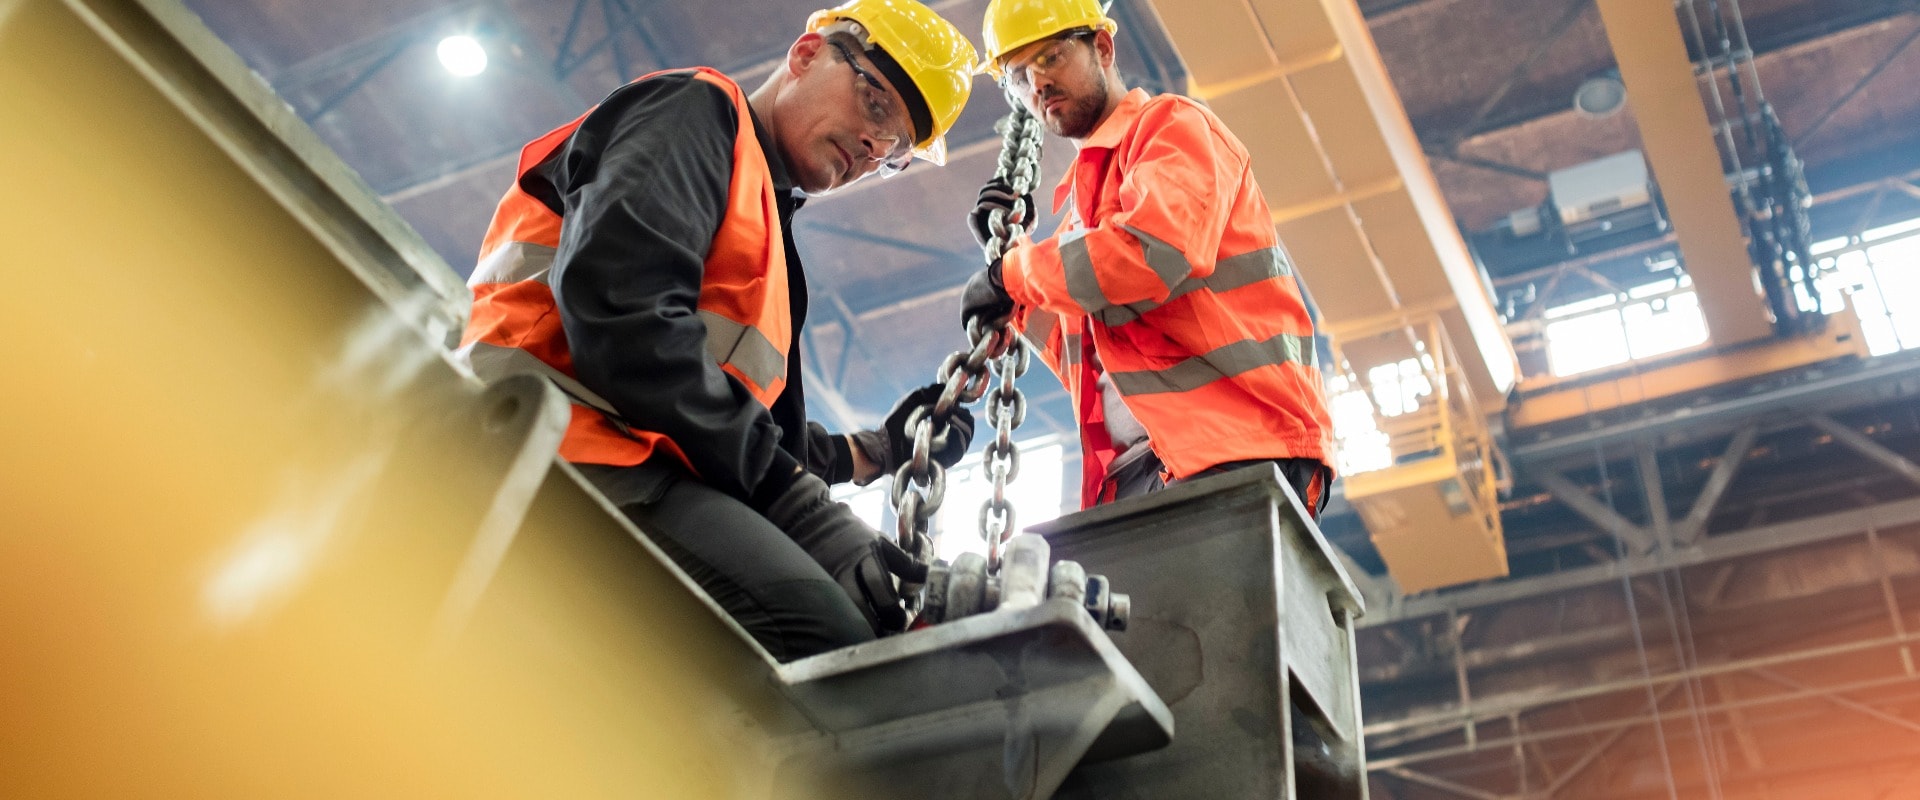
515,326
1169,270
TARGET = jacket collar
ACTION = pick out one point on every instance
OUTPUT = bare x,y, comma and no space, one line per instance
1105,137
789,195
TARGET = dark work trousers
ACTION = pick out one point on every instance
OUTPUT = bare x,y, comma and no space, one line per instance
1144,475
784,599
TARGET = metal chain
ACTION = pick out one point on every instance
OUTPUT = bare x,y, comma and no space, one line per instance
920,485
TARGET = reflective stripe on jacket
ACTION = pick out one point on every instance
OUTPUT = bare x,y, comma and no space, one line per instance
1169,270
516,327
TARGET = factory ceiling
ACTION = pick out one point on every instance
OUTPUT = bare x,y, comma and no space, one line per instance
1488,85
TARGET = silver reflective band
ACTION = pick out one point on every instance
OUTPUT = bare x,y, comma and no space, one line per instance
1040,325
514,262
746,348
1082,286
1229,273
491,362
1166,260
1070,344
1083,282
1220,363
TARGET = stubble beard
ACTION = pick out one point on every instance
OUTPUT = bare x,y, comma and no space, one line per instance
1078,117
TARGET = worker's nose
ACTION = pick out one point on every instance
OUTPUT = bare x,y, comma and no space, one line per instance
1038,90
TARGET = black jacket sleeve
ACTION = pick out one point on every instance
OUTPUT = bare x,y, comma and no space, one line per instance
828,454
644,183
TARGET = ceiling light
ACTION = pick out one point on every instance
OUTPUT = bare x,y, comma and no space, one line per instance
1600,96
462,56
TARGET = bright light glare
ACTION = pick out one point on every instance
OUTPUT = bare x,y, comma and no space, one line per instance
1037,496
462,56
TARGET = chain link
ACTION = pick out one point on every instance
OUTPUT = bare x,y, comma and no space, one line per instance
919,486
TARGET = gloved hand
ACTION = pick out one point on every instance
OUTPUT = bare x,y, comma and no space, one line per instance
997,195
892,445
986,297
858,558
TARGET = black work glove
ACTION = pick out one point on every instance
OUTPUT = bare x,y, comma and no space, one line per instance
986,297
997,195
858,558
892,445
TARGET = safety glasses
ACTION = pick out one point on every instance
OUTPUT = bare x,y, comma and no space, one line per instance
1054,55
878,107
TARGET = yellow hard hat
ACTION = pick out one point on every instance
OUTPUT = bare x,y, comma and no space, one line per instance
932,55
1013,24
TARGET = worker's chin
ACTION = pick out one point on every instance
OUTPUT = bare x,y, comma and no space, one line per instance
827,185
821,181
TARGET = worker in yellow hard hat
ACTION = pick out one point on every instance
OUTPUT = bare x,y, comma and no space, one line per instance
644,261
1166,305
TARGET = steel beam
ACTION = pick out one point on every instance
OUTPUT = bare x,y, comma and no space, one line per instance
1695,525
1832,390
1520,702
1835,31
1724,547
1892,55
1866,446
883,240
1489,165
1835,698
341,94
307,72
1377,762
1647,463
1458,789
1742,729
1600,748
843,412
1894,615
1541,47
417,185
1679,144
1636,537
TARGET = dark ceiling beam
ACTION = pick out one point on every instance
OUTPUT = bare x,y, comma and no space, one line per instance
1575,10
1434,151
1819,122
1725,547
1830,32
341,94
318,68
1386,12
869,237
1500,745
620,18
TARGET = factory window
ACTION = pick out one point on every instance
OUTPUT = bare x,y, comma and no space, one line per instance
1650,320
1880,271
1396,390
